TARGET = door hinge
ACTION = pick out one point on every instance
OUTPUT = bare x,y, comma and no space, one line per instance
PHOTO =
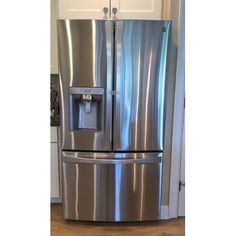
181,184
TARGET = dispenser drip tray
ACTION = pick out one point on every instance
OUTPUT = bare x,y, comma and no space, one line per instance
88,115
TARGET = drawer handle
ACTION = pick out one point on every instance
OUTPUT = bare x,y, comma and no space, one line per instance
111,161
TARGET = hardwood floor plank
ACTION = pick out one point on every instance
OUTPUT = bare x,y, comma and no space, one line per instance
60,227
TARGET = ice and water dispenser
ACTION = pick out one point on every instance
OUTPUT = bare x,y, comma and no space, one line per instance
86,108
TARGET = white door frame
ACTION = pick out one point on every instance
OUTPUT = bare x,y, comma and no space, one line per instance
178,119
181,208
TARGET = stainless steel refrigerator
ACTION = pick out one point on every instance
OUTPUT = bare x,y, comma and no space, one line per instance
113,89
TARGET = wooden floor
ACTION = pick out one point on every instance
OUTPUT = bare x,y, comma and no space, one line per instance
59,227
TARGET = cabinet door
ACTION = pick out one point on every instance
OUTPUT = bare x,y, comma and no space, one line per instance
53,134
137,9
54,171
54,55
84,9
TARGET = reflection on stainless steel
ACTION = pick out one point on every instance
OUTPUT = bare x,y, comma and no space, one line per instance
112,118
105,190
94,191
85,59
141,50
76,191
65,191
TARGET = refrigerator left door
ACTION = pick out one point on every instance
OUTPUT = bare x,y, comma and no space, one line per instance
85,69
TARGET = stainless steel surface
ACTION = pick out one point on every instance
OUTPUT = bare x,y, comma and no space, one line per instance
111,158
141,53
112,109
85,60
81,90
97,190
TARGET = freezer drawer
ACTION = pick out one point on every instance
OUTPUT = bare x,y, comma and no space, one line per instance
112,189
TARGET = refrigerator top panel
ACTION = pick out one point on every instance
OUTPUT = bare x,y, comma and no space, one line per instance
85,68
140,78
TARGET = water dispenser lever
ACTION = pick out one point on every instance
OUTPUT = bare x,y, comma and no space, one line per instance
88,107
87,98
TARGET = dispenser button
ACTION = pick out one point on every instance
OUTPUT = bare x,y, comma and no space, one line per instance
87,97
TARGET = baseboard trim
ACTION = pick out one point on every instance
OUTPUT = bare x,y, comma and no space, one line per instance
165,212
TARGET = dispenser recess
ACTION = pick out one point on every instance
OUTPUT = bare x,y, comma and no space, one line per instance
86,108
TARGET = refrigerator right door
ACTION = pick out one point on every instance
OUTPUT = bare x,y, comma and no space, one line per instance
140,72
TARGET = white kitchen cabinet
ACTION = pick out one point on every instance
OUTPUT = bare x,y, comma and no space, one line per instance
53,133
55,191
55,166
54,52
105,9
137,9
83,9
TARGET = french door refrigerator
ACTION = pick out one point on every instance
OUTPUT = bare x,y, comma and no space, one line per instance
113,89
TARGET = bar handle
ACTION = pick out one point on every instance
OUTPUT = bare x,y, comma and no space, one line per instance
111,161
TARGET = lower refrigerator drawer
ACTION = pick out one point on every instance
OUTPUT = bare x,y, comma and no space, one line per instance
116,191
